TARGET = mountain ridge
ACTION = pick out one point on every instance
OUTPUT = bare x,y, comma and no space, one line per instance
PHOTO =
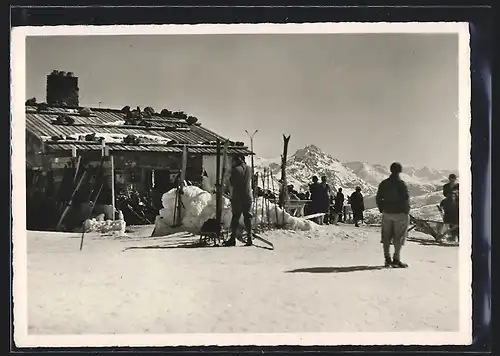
311,160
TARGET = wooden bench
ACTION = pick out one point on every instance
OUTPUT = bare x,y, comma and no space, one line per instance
296,207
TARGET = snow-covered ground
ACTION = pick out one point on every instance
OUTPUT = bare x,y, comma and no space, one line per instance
329,279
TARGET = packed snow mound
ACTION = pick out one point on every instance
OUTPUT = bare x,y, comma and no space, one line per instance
104,227
198,206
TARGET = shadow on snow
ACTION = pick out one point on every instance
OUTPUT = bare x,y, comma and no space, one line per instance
429,242
336,269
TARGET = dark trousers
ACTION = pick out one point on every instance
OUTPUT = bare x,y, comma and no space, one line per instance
357,216
238,208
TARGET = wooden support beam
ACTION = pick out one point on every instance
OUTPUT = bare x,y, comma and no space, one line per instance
112,163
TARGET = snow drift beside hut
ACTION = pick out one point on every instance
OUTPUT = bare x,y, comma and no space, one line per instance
199,206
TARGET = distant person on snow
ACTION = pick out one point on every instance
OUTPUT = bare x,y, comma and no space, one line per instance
338,207
393,201
450,187
325,199
326,192
357,206
450,207
241,199
315,191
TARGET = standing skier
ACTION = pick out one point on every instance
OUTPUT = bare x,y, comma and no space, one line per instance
357,206
393,201
241,199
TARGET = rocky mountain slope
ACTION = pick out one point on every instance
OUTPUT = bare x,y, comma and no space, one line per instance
419,180
309,161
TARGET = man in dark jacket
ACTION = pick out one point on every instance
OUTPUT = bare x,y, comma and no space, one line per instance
450,187
315,205
357,206
241,199
338,206
449,205
393,201
325,199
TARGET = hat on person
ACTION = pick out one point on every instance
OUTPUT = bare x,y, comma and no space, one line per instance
396,167
239,158
452,176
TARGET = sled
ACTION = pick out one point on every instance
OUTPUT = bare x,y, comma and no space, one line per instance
438,232
296,207
213,238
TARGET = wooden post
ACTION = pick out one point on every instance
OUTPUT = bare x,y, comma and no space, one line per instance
224,164
184,164
274,201
268,179
112,163
180,187
263,179
70,202
256,197
218,191
222,184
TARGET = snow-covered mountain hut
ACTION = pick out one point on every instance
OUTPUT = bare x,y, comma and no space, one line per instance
146,147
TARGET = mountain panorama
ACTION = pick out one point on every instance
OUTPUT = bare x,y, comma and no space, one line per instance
310,160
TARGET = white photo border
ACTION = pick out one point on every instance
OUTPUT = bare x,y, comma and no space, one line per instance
18,88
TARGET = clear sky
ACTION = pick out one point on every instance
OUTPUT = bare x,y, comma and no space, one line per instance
368,97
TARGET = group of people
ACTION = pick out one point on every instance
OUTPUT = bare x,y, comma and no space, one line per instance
331,202
392,200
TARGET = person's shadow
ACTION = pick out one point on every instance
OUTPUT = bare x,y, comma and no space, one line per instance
336,269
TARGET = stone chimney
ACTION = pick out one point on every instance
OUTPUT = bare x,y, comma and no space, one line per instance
62,89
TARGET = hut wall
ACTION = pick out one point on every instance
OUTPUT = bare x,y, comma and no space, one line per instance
34,148
210,166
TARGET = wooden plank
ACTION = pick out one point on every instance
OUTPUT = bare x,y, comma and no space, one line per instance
135,127
70,202
112,162
274,192
224,165
180,188
312,216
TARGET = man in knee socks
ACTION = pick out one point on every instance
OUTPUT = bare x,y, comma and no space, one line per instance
241,199
393,201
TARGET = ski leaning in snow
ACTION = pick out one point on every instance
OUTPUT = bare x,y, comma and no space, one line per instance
257,237
260,238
